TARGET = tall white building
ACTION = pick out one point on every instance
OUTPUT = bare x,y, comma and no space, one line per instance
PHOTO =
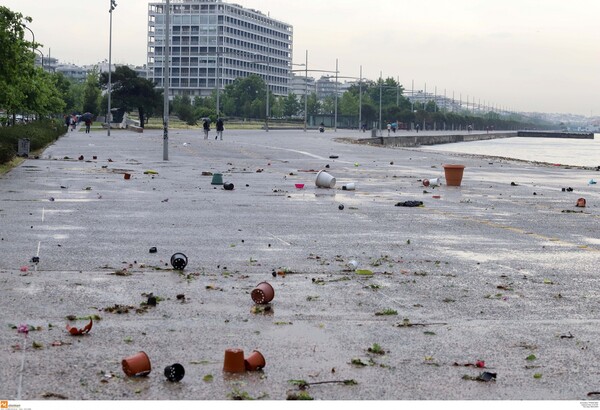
212,43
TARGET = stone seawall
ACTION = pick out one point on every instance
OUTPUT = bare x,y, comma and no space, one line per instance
556,134
429,139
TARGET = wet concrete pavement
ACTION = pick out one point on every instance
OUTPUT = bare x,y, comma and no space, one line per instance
489,271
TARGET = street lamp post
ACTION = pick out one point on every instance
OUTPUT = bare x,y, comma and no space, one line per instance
113,4
360,100
166,85
33,44
336,96
306,91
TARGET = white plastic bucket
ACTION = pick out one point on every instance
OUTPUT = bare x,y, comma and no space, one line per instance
325,180
351,186
435,182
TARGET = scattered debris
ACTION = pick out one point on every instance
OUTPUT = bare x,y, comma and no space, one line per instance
410,203
483,377
50,395
580,203
76,332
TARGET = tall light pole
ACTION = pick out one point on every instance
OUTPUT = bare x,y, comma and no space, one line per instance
336,96
166,85
380,97
113,4
360,100
306,92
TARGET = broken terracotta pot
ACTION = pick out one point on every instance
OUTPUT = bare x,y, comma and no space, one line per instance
255,361
263,293
580,203
234,361
175,372
76,332
127,175
137,365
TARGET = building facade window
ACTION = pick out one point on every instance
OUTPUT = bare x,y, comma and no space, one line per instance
213,43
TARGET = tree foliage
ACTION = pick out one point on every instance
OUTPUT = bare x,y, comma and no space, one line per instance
131,92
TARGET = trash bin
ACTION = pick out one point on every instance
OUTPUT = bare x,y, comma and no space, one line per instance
374,133
23,149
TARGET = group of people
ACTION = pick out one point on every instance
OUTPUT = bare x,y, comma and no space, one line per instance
219,125
71,122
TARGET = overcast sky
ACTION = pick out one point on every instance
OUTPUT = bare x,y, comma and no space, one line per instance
525,55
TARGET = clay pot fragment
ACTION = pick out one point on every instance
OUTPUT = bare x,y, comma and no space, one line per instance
76,332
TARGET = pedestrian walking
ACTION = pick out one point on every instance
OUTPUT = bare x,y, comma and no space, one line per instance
68,122
220,129
206,127
88,124
389,128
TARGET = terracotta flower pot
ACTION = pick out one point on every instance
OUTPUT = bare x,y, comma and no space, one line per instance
137,365
175,372
263,293
255,361
234,361
454,174
127,176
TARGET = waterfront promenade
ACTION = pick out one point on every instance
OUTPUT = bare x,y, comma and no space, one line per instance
500,272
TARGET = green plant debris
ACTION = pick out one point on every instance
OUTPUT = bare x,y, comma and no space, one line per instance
302,395
537,376
548,282
93,317
283,323
128,339
429,333
239,395
449,300
358,362
364,272
420,273
312,298
373,286
37,345
200,362
261,309
208,378
119,309
386,312
318,281
376,349
531,357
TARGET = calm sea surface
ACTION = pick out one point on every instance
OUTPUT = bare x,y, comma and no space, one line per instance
552,150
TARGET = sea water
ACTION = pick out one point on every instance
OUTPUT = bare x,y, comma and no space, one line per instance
564,151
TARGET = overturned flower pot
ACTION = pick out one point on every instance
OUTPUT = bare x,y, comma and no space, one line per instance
234,361
263,293
175,372
179,261
255,361
137,365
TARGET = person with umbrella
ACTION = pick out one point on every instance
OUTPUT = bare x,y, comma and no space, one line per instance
87,118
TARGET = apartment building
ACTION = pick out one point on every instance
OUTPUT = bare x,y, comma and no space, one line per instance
212,43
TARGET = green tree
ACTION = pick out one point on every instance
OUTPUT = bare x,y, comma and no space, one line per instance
129,92
16,61
182,106
92,93
245,97
313,105
291,105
